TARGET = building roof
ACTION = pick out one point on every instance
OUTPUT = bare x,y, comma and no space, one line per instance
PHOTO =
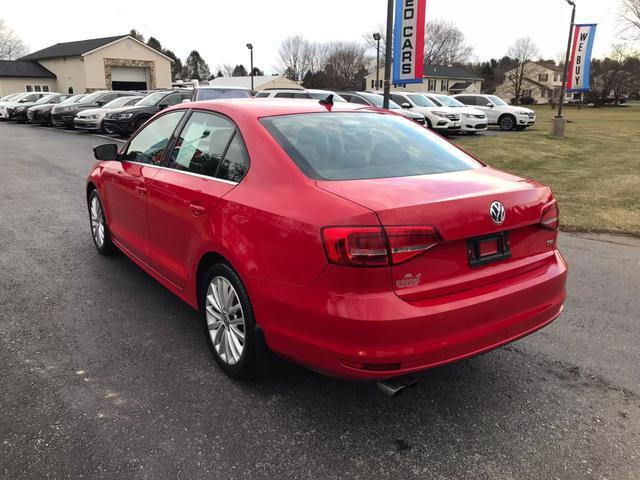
550,66
446,71
459,86
18,68
245,82
71,49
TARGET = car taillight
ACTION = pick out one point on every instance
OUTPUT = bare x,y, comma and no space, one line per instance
376,246
407,242
550,216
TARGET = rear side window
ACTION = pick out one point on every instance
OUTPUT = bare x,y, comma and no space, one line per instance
149,144
236,162
262,94
351,146
467,100
358,100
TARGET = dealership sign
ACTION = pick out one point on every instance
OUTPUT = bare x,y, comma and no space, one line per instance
408,41
580,64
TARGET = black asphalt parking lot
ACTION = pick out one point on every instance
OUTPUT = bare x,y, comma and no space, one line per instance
105,374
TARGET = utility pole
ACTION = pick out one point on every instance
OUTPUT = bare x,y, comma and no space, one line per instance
558,123
376,37
387,55
250,47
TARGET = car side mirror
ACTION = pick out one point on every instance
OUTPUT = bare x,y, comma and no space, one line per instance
406,105
100,103
106,152
490,105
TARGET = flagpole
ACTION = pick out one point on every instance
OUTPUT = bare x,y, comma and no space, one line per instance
566,62
387,55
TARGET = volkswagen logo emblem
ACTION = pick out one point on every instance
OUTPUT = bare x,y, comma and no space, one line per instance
496,212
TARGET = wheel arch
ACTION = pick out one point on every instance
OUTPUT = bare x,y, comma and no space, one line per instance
205,261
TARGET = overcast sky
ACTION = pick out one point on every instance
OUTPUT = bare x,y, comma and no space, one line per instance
219,29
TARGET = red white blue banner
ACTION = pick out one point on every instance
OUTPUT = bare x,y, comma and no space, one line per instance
408,41
580,64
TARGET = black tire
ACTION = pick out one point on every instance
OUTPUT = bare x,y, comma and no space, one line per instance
245,366
108,130
507,122
107,247
139,123
429,125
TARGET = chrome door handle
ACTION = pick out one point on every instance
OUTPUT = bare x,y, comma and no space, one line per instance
196,210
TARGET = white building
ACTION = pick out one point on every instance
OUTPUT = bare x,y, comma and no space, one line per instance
437,79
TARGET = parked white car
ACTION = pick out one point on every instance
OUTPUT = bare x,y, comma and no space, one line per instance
472,120
283,93
499,112
440,119
322,94
27,97
92,119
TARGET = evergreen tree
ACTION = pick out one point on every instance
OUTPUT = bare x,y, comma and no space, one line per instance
195,68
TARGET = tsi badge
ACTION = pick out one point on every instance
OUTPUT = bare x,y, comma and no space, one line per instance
409,281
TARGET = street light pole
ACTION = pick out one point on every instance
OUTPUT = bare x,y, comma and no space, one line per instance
566,61
376,37
250,47
387,55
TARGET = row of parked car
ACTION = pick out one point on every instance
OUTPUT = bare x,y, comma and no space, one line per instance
123,112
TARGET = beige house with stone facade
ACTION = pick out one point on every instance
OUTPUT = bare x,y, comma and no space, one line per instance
111,63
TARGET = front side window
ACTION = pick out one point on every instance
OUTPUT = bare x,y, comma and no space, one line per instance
421,100
262,94
352,146
497,101
170,100
149,144
202,144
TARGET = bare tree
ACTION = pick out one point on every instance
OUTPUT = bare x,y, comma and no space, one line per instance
11,46
225,70
522,51
346,65
372,44
444,44
629,17
291,56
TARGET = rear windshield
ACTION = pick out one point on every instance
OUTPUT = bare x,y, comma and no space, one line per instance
215,93
353,146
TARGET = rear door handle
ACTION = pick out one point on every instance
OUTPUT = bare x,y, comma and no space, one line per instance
141,191
197,210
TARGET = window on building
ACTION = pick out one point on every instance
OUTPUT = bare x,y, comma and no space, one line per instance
37,88
543,77
45,88
28,88
444,85
556,77
432,85
543,93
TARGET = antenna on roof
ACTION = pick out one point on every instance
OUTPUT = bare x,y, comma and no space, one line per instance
327,102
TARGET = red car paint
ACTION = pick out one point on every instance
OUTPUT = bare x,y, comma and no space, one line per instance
352,322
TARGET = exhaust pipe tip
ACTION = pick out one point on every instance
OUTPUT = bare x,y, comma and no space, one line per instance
393,387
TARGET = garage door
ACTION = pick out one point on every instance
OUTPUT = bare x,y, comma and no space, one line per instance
128,78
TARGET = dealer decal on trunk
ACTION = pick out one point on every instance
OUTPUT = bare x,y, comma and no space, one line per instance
409,281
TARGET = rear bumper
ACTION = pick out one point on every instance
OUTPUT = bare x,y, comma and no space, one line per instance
378,335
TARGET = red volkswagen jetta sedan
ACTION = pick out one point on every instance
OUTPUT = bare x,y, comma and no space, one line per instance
352,241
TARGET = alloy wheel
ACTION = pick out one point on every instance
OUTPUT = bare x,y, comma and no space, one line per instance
225,320
97,221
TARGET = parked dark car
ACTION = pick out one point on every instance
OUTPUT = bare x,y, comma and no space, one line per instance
375,100
19,113
127,120
216,93
42,113
64,115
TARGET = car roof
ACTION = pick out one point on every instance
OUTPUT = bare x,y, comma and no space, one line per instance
267,107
